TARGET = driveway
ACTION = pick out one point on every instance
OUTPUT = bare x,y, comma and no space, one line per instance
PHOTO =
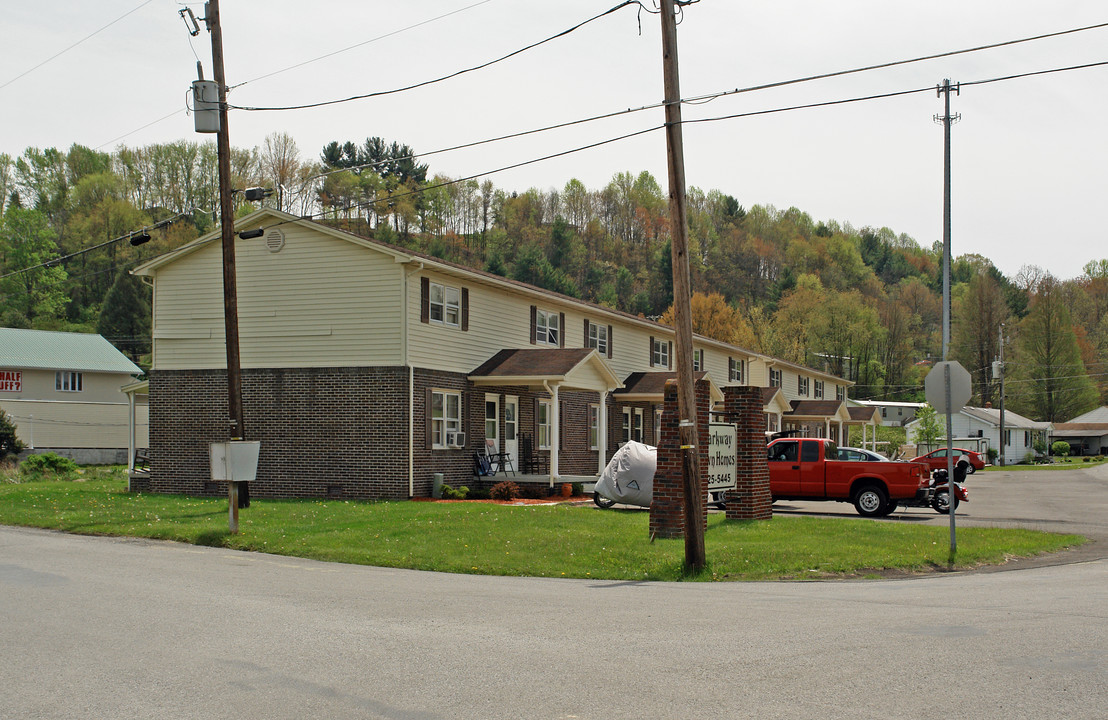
1063,501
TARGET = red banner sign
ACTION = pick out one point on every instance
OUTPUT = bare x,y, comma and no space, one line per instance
11,381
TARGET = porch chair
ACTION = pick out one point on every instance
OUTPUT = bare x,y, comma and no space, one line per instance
530,461
500,462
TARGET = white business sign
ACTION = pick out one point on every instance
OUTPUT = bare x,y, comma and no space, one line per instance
723,460
11,381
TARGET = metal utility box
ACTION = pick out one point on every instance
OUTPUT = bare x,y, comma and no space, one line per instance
235,461
205,106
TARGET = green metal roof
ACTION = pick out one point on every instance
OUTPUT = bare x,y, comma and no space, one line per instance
42,350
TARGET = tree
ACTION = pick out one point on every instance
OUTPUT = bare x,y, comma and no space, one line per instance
1050,382
928,429
26,241
10,444
978,314
125,316
712,317
280,162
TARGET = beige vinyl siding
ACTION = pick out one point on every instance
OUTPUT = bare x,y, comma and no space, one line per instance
319,302
59,424
95,387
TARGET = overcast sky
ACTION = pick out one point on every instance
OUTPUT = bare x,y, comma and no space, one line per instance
1029,155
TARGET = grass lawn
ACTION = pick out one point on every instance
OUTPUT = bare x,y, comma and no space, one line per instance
490,539
1058,463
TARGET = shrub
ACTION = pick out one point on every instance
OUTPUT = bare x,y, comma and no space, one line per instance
478,494
578,489
993,454
9,443
48,464
1060,447
449,493
506,490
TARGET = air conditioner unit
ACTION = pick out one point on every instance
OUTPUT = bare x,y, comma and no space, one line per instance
455,439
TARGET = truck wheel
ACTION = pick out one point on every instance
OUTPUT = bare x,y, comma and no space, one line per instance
941,502
870,501
601,501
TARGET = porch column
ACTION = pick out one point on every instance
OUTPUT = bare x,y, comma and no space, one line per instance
841,440
602,432
827,428
555,434
130,431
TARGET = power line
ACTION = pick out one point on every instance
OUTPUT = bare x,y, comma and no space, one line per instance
358,45
444,77
62,52
58,260
951,53
590,146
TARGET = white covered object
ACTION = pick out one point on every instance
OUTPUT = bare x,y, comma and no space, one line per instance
629,477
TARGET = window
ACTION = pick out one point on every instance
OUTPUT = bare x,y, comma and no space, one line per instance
1008,438
597,337
446,417
774,378
809,452
446,305
819,390
735,369
547,328
784,451
67,381
1026,438
542,422
801,385
884,412
659,352
840,392
698,359
632,424
594,427
492,418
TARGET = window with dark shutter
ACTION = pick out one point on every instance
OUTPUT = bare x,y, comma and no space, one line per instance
465,309
609,342
650,351
534,324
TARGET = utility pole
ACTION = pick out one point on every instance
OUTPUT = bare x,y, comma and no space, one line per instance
227,225
1000,372
695,558
947,120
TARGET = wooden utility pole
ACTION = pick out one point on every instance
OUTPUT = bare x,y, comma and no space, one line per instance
227,225
686,394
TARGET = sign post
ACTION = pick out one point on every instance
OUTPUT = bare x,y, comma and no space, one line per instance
946,387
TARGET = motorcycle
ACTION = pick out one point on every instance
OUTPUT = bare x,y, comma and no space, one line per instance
940,490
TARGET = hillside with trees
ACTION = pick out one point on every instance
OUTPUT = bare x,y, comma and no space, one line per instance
861,302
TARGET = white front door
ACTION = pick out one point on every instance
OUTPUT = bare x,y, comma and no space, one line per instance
511,427
492,423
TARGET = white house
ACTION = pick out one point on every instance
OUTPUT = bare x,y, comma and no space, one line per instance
1087,434
981,426
63,390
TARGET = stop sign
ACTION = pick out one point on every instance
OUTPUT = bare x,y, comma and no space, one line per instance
934,386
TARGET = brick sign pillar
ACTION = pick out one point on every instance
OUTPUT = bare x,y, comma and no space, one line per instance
667,515
751,499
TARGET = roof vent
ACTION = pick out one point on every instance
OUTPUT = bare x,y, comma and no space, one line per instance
275,240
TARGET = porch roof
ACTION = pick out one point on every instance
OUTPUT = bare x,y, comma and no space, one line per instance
864,414
579,368
774,401
822,410
651,386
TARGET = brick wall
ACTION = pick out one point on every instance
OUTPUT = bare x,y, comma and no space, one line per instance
324,431
751,499
667,518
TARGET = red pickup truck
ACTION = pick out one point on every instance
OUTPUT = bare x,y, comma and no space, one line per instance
809,469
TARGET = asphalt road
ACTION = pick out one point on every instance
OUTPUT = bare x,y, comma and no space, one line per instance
115,628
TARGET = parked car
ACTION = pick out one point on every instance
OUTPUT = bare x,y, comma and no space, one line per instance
860,454
936,459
